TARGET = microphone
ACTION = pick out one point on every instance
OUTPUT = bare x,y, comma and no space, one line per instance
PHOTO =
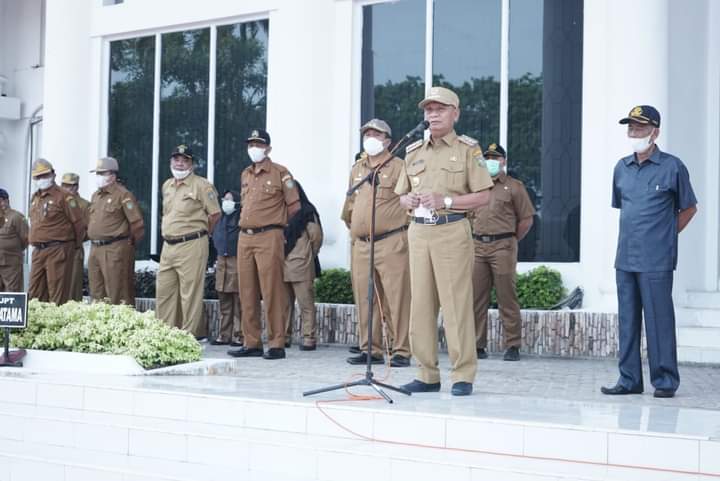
419,129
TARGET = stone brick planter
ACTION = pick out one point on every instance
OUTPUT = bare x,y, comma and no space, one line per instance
544,333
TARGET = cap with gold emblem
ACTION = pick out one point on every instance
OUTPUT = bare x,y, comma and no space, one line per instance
643,114
441,95
259,135
41,167
70,178
494,149
106,164
377,124
183,150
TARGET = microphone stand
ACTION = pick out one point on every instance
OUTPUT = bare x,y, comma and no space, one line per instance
369,381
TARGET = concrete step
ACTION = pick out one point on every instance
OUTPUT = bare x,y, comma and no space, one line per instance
704,355
697,317
703,299
704,337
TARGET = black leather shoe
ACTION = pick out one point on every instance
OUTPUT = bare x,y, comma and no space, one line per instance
274,353
461,388
400,361
512,354
619,390
201,338
481,353
354,350
664,393
362,359
288,344
236,343
419,386
246,352
218,342
307,347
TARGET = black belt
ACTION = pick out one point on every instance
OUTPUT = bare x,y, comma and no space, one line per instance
493,237
382,236
257,230
439,219
109,241
187,237
45,245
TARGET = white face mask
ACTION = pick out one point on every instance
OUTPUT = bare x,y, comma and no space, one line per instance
257,154
102,180
228,206
640,144
180,174
373,146
42,184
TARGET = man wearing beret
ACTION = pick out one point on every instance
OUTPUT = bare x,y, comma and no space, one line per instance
269,198
656,201
444,178
71,183
116,226
13,241
497,229
190,211
57,230
392,269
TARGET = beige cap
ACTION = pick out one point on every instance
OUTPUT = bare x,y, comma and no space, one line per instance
41,167
441,95
70,178
106,164
377,124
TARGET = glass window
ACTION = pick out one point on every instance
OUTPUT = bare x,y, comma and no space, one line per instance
241,97
393,63
130,112
466,59
544,122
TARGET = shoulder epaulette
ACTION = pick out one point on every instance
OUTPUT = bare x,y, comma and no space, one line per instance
465,139
413,146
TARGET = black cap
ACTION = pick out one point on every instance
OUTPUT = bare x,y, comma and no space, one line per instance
643,114
183,150
259,135
494,149
4,194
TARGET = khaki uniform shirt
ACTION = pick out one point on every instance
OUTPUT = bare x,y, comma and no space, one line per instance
390,215
56,215
450,166
13,238
187,205
267,189
112,210
509,204
300,262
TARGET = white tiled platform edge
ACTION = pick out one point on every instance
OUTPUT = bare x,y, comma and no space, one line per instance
54,431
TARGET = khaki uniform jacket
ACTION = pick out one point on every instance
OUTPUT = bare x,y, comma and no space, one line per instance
56,215
187,205
300,262
13,238
509,204
267,189
112,210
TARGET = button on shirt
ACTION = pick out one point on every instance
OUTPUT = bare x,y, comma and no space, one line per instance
649,196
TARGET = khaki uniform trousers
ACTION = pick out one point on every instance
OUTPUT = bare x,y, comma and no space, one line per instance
108,276
392,282
304,292
226,284
78,272
180,285
261,258
11,278
441,276
50,273
495,264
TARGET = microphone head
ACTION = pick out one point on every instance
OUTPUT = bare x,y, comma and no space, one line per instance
425,124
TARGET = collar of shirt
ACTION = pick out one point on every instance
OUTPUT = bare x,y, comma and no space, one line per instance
108,189
655,157
261,166
185,181
501,177
448,139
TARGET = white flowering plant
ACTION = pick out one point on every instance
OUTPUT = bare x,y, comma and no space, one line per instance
106,328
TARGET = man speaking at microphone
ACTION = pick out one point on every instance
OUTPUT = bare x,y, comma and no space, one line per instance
392,273
444,177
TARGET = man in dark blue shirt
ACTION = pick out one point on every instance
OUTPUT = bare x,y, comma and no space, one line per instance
656,201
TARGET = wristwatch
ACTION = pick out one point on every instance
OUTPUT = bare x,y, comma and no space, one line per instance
447,201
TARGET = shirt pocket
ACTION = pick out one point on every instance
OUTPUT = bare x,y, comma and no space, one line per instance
110,207
386,187
415,173
53,211
455,176
270,188
189,203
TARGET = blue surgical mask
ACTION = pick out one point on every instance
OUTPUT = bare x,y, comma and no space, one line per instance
493,167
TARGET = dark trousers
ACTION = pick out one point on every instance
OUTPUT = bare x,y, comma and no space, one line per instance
648,293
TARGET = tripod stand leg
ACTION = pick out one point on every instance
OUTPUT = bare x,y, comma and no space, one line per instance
401,390
336,387
381,392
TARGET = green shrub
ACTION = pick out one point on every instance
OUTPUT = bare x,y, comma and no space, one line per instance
540,288
105,328
334,286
